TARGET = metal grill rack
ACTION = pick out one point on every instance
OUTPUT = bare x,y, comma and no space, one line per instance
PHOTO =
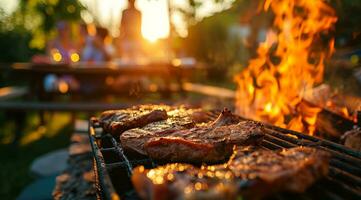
113,167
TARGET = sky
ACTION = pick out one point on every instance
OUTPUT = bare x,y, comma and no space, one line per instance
155,22
155,17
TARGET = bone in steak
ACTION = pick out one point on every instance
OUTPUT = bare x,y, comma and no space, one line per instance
352,138
249,174
226,118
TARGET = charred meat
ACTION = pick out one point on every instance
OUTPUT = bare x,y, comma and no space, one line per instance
248,174
203,144
352,138
226,118
291,170
118,121
210,143
184,181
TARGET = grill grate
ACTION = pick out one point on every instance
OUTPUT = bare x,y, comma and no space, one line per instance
113,167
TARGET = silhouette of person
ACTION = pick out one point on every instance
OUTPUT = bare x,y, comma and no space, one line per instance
130,31
95,48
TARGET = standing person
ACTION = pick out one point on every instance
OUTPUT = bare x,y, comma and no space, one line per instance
130,31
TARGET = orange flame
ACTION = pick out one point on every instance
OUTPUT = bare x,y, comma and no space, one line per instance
288,65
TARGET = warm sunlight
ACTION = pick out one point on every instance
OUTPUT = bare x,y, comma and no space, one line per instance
155,17
155,23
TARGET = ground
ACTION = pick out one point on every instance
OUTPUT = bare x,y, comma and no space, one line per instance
15,162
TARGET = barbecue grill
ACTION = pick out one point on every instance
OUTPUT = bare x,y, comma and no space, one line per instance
113,167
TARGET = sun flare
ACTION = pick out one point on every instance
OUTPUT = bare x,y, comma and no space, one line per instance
155,24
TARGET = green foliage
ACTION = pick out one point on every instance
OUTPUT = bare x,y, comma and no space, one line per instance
192,7
14,47
40,17
16,161
25,32
210,42
14,40
349,18
52,11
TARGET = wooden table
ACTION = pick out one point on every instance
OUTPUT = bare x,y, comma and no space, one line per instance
34,74
38,99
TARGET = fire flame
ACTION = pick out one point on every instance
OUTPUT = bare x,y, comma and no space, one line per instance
290,62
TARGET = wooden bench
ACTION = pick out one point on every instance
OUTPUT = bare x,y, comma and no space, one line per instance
15,107
60,106
208,90
9,93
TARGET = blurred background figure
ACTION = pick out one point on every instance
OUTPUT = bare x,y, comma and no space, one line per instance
106,41
98,47
130,39
62,48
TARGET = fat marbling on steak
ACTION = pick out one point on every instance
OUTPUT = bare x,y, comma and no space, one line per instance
209,143
250,174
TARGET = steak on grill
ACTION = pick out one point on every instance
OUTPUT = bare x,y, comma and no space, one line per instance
118,121
226,118
291,170
203,144
248,174
134,140
212,142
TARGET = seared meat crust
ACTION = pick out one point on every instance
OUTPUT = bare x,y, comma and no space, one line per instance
176,142
250,174
159,117
203,144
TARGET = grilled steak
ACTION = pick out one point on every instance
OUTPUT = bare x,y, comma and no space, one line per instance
184,181
118,121
179,118
212,142
291,170
203,144
249,174
226,118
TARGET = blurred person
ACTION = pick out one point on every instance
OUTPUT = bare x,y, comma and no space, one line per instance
62,44
130,32
107,43
60,50
96,49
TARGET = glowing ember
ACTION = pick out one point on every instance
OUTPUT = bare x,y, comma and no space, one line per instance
288,65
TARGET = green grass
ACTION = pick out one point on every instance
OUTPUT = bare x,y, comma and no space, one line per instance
15,162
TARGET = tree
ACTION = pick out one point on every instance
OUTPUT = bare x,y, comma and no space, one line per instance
40,17
348,29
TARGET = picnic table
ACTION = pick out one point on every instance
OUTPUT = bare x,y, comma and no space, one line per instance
167,71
